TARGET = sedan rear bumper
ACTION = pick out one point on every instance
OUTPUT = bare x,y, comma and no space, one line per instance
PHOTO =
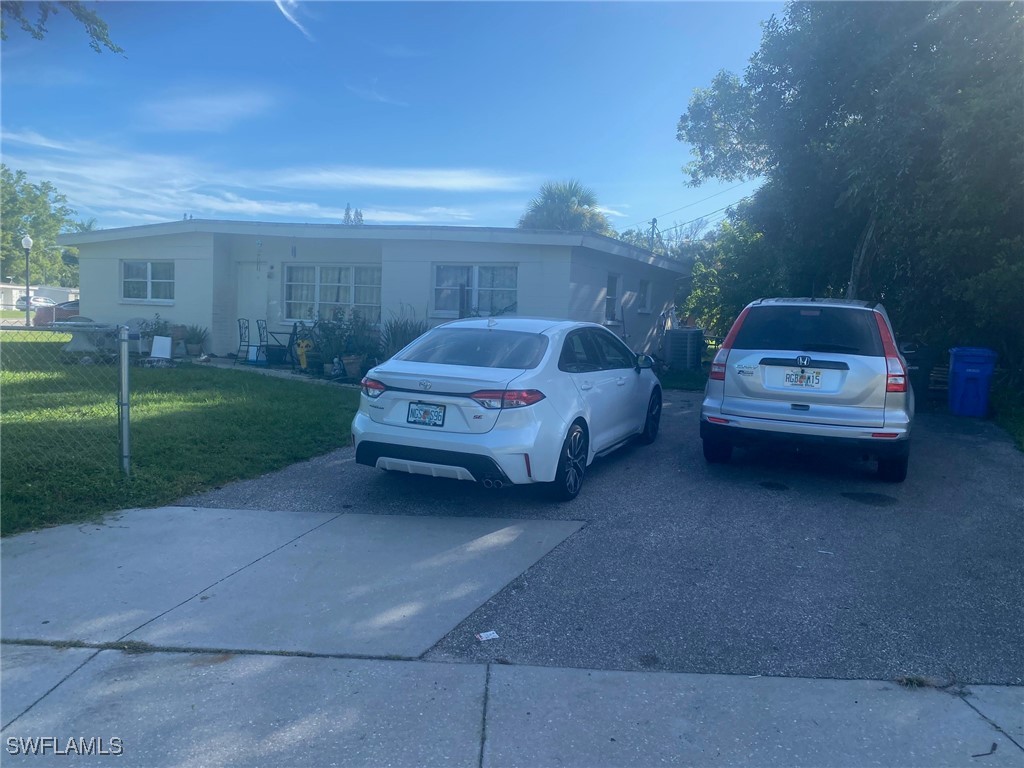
526,454
429,461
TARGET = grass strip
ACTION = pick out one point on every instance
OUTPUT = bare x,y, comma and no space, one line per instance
193,428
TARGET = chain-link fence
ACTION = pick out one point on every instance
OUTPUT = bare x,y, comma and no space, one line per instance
61,407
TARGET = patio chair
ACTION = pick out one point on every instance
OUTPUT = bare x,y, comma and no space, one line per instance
244,346
261,328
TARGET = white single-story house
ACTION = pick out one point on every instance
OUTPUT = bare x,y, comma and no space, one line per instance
211,273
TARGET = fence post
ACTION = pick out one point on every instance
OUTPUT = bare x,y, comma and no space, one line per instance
124,402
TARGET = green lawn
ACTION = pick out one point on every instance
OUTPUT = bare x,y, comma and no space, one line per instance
11,314
193,428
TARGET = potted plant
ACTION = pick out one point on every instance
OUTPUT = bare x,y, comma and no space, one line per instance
150,328
195,338
331,339
361,342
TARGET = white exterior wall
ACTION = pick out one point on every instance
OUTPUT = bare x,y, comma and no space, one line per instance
588,289
237,270
407,277
249,276
100,279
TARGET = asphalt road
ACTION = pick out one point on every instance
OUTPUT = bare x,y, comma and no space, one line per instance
775,564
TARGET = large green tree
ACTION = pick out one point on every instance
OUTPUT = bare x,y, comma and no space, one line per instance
33,17
889,137
567,206
42,213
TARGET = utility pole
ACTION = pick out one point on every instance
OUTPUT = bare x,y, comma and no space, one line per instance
654,229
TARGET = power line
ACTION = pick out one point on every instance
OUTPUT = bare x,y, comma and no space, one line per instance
712,213
689,205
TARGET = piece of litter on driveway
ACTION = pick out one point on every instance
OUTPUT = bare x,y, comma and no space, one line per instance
489,635
825,552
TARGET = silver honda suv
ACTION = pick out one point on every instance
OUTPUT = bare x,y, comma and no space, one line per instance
819,373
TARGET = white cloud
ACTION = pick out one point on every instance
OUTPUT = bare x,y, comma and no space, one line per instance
33,139
288,9
208,112
120,187
372,94
611,212
443,179
431,215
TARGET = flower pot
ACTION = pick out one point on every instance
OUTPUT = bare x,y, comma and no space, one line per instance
353,365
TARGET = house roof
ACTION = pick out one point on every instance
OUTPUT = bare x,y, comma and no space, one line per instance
508,235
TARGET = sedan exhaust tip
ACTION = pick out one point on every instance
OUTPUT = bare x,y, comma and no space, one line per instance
489,482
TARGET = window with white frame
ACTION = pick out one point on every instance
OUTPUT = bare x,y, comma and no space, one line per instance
314,291
147,281
643,296
489,289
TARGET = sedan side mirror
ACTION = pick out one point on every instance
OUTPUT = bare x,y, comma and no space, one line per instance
644,361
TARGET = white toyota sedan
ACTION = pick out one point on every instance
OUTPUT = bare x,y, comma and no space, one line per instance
507,400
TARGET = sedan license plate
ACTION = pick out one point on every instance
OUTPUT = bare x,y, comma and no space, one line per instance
427,414
801,378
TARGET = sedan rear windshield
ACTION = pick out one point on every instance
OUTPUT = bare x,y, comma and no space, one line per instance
478,347
811,329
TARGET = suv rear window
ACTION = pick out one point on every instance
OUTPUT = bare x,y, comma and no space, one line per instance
811,329
478,347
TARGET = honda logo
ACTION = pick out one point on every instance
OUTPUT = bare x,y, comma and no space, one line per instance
424,384
803,361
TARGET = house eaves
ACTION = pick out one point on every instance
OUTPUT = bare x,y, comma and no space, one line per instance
504,235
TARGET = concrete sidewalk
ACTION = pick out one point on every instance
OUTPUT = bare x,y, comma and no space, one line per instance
184,636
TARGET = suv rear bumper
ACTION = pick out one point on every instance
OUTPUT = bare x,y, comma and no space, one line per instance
856,441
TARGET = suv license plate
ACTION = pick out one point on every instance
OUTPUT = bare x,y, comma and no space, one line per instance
427,414
798,378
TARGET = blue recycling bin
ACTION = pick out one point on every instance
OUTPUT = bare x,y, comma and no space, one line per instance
970,377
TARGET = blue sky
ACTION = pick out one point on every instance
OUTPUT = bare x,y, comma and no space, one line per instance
416,113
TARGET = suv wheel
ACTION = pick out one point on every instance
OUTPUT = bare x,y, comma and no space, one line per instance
893,470
717,451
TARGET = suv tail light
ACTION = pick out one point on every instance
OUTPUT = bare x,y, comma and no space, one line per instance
372,388
718,365
895,373
508,398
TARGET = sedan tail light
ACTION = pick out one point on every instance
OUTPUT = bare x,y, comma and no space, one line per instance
718,365
508,398
372,388
895,373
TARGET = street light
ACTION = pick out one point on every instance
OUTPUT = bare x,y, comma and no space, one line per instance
26,243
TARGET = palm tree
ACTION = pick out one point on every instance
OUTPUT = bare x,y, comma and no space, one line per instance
566,206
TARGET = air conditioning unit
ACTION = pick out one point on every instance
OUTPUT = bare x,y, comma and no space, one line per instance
684,347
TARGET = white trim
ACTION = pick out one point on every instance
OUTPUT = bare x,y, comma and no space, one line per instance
318,285
376,233
475,288
149,280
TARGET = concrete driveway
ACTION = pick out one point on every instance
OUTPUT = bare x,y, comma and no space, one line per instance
773,564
